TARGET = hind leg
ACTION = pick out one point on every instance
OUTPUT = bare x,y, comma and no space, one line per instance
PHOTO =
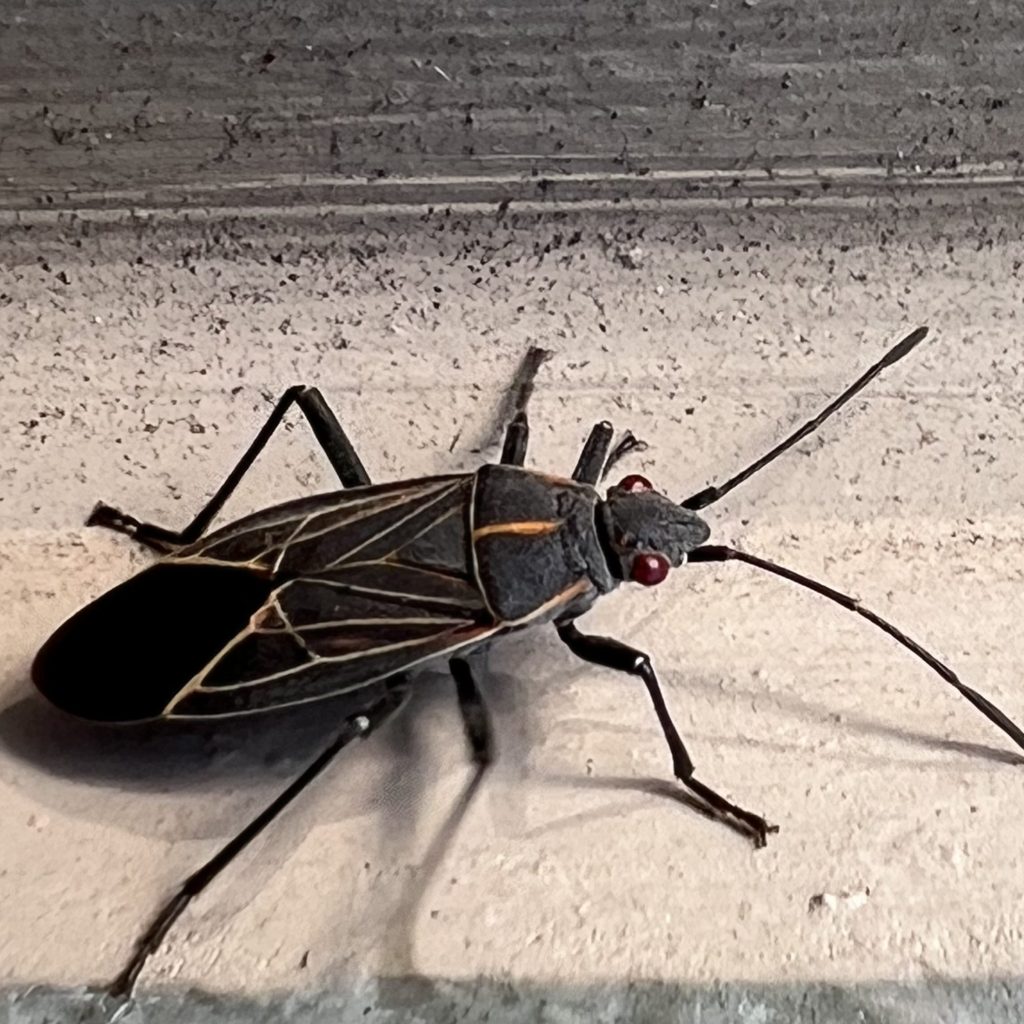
328,432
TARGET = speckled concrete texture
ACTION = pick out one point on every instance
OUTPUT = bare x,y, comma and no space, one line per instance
209,101
715,219
135,368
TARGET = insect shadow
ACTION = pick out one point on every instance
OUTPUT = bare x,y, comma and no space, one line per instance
204,780
184,765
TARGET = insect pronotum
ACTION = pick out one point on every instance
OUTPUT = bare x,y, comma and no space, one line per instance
351,591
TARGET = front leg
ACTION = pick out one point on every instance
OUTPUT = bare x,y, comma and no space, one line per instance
598,456
628,444
610,653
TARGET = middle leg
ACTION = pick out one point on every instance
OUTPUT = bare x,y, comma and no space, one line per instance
475,718
591,463
517,435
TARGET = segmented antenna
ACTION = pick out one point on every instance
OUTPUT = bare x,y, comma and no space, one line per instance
721,553
711,494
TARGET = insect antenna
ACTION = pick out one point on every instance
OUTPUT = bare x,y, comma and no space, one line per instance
711,494
721,553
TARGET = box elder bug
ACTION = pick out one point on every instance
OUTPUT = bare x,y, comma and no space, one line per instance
350,591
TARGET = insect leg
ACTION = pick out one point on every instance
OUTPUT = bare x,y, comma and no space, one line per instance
590,466
612,654
596,460
477,724
328,432
517,434
629,443
356,727
517,437
475,717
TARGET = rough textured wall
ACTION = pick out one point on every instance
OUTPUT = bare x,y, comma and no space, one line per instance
139,362
203,97
198,211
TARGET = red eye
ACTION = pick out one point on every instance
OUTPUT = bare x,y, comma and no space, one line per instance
649,569
634,482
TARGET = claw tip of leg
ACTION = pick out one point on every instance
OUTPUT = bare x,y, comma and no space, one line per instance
99,513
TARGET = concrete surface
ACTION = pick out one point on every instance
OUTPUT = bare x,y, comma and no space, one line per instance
204,102
135,370
715,222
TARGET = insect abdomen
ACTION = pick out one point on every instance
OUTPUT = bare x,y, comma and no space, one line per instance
125,656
